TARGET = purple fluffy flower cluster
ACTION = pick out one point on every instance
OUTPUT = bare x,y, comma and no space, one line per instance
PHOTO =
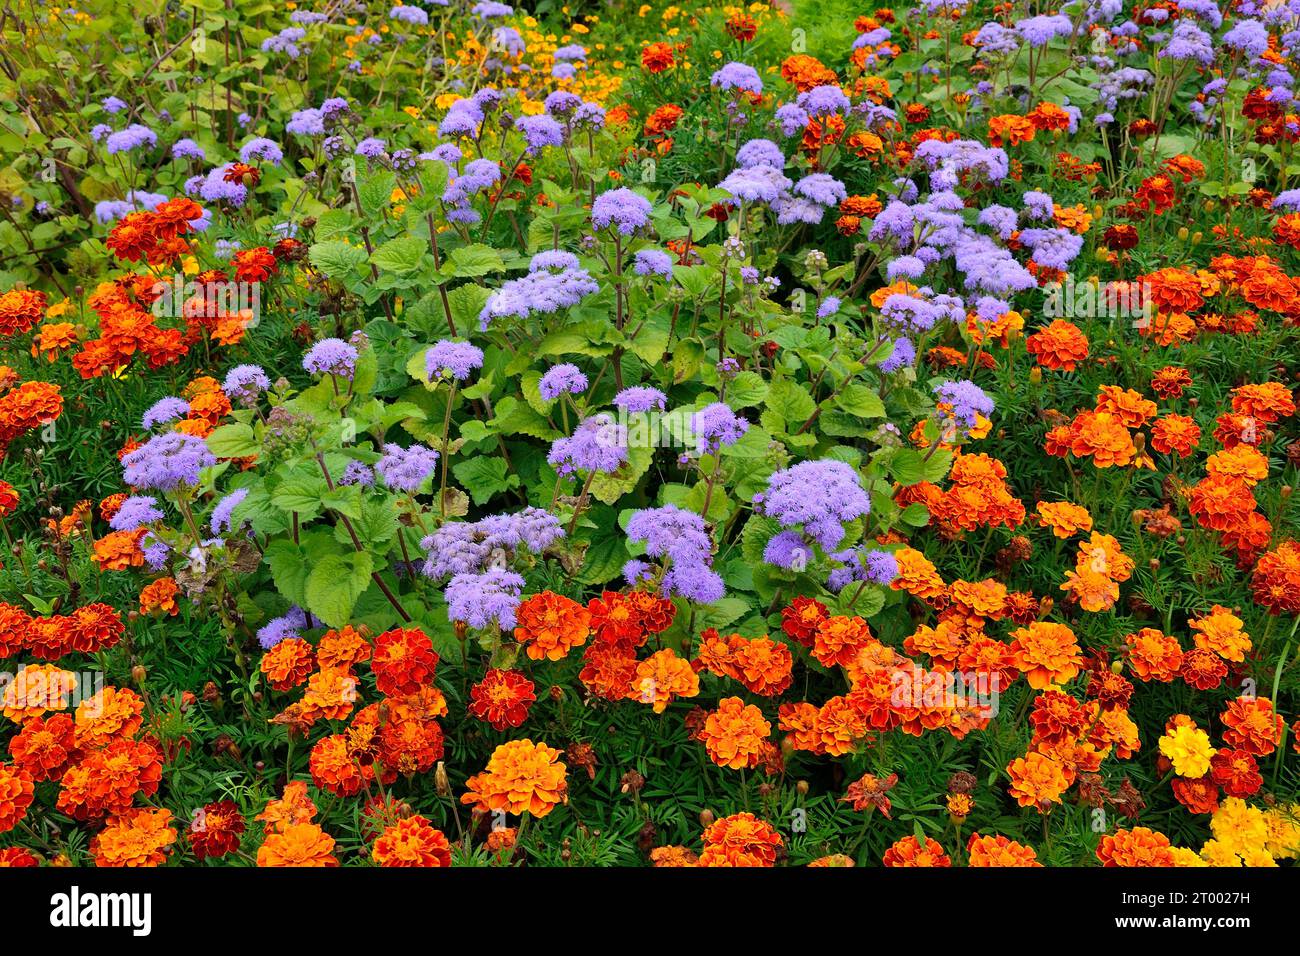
817,496
450,359
467,547
405,469
484,600
598,444
679,538
167,461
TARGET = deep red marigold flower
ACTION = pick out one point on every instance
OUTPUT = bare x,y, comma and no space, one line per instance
502,698
215,829
404,661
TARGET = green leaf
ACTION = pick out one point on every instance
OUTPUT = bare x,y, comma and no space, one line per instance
790,402
336,258
335,583
861,400
484,476
233,441
473,261
376,526
400,255
288,570
299,495
747,389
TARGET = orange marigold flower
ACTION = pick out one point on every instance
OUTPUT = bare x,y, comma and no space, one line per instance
1171,381
657,57
160,596
1266,402
1250,724
908,852
1140,846
334,768
1203,669
608,671
550,625
412,842
661,677
288,663
1059,345
997,850
136,837
1046,653
1276,579
35,689
293,807
1221,631
1103,437
8,499
17,788
673,856
45,746
1175,434
1065,519
17,856
1038,780
404,661
764,666
839,639
735,733
502,698
520,777
112,712
107,781
741,839
1156,194
801,619
343,648
1219,502
916,575
1244,463
20,309
806,72
841,724
1153,656
298,844
119,550
1128,406
1009,129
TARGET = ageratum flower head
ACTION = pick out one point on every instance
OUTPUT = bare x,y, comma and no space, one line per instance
331,357
621,208
164,411
167,461
599,444
816,496
450,359
406,469
562,378
484,600
715,426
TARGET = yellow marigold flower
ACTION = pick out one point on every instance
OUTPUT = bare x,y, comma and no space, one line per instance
1188,749
1283,840
1239,826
